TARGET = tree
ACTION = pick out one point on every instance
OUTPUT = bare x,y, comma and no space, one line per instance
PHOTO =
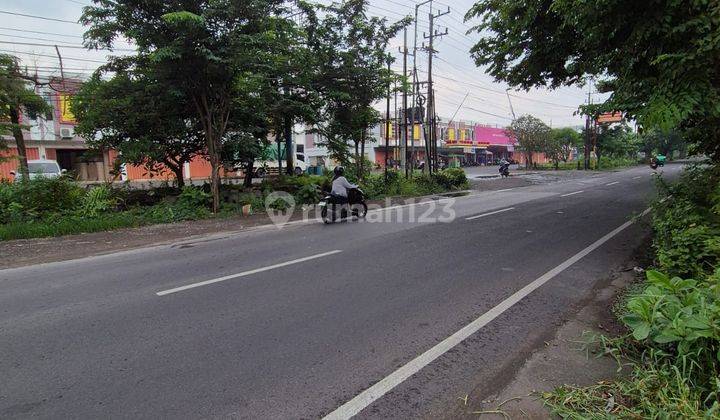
351,49
568,140
531,134
17,97
205,49
658,58
664,142
148,123
289,92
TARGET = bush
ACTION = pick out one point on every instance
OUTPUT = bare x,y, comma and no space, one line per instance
674,321
452,179
37,198
97,200
686,222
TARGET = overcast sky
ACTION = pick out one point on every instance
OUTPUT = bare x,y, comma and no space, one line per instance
455,72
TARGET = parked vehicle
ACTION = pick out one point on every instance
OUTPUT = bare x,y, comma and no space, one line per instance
267,163
332,210
41,169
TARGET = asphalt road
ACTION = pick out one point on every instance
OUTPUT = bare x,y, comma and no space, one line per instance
318,314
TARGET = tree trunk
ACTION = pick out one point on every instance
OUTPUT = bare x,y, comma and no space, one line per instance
361,174
288,147
249,169
20,143
278,140
214,155
179,176
357,156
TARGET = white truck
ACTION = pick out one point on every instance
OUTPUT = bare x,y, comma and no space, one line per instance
268,164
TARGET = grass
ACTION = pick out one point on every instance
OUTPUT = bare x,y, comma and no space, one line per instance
605,164
655,389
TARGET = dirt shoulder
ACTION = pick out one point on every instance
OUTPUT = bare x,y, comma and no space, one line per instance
565,359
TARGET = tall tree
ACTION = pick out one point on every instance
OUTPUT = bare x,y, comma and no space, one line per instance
17,97
203,48
562,143
531,134
289,68
352,52
658,58
148,123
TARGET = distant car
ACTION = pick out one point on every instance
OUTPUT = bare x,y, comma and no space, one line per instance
41,169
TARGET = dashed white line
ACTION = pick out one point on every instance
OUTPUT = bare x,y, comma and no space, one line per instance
490,214
375,392
505,190
572,193
637,177
612,183
247,273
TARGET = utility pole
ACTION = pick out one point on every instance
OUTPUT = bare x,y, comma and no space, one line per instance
588,141
387,126
430,149
512,110
396,125
403,148
415,96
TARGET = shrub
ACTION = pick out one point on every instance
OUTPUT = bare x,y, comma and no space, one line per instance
452,179
37,198
96,200
686,223
308,194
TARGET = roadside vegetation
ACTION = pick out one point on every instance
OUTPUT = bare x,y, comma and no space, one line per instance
673,342
53,207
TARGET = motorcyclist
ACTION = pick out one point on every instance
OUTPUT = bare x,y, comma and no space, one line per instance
504,167
340,186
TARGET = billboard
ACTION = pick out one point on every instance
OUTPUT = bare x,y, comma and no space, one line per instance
66,115
610,117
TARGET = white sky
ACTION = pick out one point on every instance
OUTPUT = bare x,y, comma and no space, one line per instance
455,72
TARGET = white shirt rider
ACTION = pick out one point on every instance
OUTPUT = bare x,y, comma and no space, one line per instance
340,186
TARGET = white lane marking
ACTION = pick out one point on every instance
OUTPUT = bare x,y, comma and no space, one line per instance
612,183
247,273
421,203
505,190
490,214
637,177
572,193
375,392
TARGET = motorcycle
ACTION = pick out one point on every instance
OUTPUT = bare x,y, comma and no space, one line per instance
504,170
356,204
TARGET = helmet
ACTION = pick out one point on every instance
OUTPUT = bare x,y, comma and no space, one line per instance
339,171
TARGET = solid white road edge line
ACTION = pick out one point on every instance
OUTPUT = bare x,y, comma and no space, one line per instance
370,395
572,193
490,214
247,273
612,183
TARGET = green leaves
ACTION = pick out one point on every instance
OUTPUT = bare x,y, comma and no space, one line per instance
680,314
184,18
658,59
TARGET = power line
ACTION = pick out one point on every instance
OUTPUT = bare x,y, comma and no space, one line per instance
33,38
53,56
37,17
39,32
64,46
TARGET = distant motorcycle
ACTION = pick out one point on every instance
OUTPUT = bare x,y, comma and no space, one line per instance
332,210
504,170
